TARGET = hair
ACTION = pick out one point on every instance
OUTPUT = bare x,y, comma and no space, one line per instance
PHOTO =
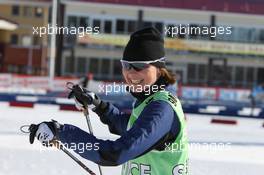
168,75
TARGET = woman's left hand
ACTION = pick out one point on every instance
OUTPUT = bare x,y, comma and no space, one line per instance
45,132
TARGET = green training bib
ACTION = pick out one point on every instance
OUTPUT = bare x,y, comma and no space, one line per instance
173,160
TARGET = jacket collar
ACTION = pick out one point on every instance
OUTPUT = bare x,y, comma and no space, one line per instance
141,96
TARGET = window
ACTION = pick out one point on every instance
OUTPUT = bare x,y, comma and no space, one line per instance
217,74
38,12
14,39
239,76
108,26
250,74
195,31
202,72
131,26
15,10
204,35
261,36
191,73
229,74
84,22
81,65
239,73
120,26
252,35
69,62
97,23
72,21
232,36
27,11
260,75
117,69
105,67
94,66
242,35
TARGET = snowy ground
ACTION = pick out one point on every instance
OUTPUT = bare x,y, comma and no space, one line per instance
243,154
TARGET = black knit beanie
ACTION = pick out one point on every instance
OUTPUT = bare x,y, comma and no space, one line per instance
145,45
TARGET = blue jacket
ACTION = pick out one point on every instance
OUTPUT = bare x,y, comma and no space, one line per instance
156,125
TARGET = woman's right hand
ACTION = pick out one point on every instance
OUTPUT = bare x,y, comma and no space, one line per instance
84,98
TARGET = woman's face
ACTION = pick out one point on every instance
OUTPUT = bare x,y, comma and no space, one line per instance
144,77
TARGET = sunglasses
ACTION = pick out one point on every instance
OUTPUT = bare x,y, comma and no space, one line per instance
138,65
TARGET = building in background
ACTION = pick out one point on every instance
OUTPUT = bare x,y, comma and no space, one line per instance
6,26
24,52
234,60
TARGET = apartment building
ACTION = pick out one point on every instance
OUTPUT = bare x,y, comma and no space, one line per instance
25,52
233,59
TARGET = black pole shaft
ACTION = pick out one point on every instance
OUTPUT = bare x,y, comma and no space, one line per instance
86,114
76,160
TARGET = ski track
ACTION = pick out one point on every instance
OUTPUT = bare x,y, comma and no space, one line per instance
243,156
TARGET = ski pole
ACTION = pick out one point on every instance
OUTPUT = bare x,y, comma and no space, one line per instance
86,114
70,86
61,147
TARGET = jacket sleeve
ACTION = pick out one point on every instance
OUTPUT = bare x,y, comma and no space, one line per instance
151,126
113,117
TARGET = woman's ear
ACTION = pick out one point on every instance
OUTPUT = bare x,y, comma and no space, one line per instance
158,72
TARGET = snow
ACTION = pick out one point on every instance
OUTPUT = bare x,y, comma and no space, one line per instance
243,154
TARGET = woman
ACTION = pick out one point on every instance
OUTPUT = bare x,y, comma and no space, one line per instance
153,138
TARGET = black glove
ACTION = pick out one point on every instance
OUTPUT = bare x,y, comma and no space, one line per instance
84,98
45,132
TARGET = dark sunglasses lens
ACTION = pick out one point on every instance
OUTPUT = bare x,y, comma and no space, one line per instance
135,66
139,66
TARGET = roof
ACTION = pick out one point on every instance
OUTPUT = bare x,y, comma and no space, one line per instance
6,24
235,6
27,2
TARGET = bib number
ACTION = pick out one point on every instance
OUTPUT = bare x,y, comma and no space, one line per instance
140,169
